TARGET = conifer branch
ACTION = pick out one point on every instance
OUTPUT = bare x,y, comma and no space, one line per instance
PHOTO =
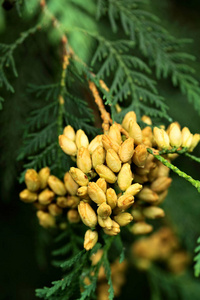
197,259
195,183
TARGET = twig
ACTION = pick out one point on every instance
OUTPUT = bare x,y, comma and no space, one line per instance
104,114
195,183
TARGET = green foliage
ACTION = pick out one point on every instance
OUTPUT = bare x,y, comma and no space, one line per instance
197,259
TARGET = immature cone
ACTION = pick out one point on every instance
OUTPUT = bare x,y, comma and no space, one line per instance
125,201
161,138
67,145
44,174
54,210
128,117
113,161
69,132
57,185
140,156
104,210
133,189
102,184
73,216
123,218
141,228
90,239
97,141
146,120
62,202
87,214
135,132
106,173
161,184
195,141
114,230
45,219
82,192
73,201
147,195
153,212
70,184
125,177
115,134
105,223
109,143
98,156
84,162
96,193
111,198
32,180
175,135
81,139
46,197
79,176
126,150
27,196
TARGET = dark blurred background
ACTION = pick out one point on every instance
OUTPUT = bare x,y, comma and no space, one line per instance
24,246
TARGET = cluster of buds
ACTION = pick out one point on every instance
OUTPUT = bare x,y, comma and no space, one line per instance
175,137
55,200
118,271
162,246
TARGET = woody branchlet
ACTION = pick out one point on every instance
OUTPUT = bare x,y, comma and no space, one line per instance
116,179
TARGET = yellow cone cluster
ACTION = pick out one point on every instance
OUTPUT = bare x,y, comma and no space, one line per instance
55,200
115,179
162,246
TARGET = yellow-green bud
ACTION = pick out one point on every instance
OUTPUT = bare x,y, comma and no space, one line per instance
161,184
98,156
125,177
161,138
97,141
45,219
147,195
141,228
175,135
115,134
32,180
105,223
133,189
195,141
27,196
113,161
69,132
46,197
87,214
44,174
109,143
128,117
57,185
96,193
146,120
126,150
82,192
140,156
153,212
111,198
106,173
67,145
102,184
135,132
70,184
78,176
84,162
104,210
54,210
123,218
73,216
90,239
62,202
81,139
125,201
114,230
